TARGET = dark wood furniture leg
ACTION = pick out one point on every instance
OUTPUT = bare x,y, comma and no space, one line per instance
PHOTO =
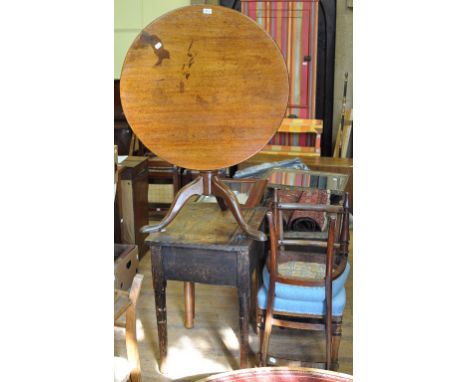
336,339
260,318
243,293
267,326
159,285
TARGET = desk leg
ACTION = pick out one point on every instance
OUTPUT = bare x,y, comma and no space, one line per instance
243,293
159,285
189,297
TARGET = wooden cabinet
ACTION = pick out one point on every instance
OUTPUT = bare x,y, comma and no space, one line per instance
134,201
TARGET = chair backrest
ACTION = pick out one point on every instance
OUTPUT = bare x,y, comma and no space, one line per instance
333,252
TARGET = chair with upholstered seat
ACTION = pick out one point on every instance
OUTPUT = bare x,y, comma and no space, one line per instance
304,280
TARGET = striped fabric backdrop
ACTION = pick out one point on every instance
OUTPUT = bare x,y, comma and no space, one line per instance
297,136
293,25
298,179
293,139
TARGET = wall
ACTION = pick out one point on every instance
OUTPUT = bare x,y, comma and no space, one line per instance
130,17
343,60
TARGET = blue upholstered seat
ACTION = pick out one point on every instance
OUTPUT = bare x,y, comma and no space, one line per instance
305,300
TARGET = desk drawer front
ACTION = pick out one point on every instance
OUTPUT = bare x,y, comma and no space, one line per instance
203,266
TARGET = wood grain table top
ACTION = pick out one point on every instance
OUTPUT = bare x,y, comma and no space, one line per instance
205,225
204,87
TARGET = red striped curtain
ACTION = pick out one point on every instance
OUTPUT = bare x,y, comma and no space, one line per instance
293,25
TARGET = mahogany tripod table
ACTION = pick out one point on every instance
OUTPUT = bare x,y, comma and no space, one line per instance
204,87
205,245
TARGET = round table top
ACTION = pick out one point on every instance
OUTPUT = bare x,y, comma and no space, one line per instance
204,87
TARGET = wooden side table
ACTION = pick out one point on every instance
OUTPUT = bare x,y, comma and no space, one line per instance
205,245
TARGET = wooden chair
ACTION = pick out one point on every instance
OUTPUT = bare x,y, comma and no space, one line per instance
125,303
125,300
303,280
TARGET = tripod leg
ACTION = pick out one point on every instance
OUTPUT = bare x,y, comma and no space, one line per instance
220,190
193,188
221,203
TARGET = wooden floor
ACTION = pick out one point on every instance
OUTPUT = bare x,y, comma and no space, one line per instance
212,345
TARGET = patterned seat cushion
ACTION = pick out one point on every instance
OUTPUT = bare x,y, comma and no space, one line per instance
302,270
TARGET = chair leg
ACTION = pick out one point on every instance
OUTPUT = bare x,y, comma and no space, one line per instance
131,343
260,327
328,337
259,321
336,339
266,337
130,329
